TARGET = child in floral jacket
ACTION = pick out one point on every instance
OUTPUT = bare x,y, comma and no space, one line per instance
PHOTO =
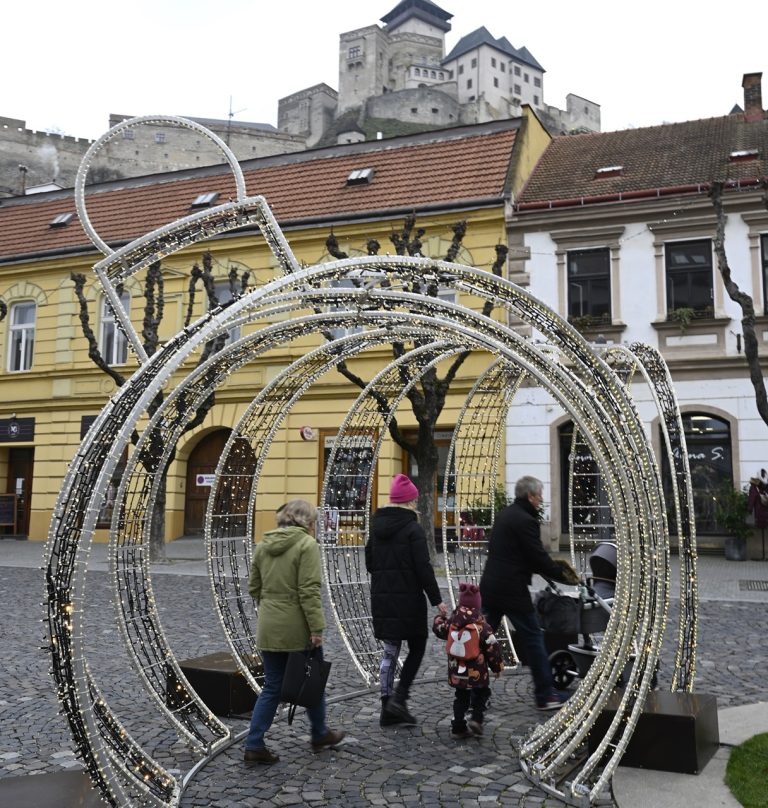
473,651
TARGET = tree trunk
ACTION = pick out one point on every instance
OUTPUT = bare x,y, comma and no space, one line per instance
157,528
427,462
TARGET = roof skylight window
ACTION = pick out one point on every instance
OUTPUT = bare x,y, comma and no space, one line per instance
743,154
62,220
609,171
360,176
205,200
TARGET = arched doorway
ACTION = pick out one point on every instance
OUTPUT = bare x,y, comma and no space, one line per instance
201,468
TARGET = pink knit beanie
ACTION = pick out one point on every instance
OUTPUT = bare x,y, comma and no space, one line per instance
402,489
469,596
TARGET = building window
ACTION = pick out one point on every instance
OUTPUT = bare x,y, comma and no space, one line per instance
517,70
414,110
441,75
536,100
536,81
159,137
21,335
354,52
764,253
689,276
579,473
518,89
433,74
503,67
708,441
589,285
474,63
128,134
113,342
495,82
469,84
338,333
461,69
224,295
526,78
417,71
493,62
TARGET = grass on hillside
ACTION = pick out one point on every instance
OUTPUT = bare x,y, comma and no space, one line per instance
747,772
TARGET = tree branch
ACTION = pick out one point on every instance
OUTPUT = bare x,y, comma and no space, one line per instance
744,301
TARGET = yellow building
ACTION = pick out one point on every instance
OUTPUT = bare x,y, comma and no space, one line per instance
50,390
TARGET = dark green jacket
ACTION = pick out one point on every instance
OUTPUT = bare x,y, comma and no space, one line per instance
285,583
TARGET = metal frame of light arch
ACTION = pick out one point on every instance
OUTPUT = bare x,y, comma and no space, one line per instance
584,385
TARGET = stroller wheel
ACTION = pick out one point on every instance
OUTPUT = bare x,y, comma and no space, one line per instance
563,668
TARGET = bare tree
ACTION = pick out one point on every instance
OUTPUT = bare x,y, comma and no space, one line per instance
428,395
742,298
154,309
3,310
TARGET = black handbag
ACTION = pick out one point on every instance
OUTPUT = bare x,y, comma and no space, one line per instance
306,675
558,613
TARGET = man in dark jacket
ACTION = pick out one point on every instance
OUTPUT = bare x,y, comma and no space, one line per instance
515,552
397,559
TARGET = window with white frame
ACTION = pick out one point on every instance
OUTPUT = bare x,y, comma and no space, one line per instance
589,285
224,295
764,258
21,342
337,333
113,342
689,277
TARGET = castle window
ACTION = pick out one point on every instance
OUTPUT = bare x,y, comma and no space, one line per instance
414,110
159,137
517,89
469,84
417,71
461,69
433,74
474,63
503,67
435,110
128,134
517,70
495,82
493,62
526,78
536,100
440,75
536,81
354,52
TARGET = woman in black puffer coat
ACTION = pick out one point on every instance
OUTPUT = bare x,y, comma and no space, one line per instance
397,559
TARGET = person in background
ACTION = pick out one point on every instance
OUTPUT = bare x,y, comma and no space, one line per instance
397,559
473,651
515,553
285,583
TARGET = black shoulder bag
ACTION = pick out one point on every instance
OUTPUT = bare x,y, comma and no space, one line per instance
306,675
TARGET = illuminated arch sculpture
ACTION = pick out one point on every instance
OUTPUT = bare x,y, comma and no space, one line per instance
378,303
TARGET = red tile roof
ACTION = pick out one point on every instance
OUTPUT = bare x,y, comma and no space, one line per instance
447,169
653,159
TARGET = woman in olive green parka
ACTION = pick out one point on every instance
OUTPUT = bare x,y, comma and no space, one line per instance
285,584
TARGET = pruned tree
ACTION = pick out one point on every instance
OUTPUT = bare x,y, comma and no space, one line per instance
3,310
154,310
427,396
740,297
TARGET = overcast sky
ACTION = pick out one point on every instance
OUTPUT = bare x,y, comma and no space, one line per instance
67,66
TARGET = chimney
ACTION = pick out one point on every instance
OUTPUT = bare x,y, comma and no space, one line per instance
753,97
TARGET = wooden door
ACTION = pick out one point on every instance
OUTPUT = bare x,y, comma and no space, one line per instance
21,463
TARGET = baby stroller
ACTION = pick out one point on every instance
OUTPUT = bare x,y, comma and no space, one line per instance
570,621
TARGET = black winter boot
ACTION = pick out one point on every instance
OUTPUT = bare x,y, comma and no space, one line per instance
396,707
387,720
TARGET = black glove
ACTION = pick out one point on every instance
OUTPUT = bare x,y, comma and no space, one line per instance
568,573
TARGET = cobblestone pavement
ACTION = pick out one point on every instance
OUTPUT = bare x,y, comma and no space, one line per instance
418,766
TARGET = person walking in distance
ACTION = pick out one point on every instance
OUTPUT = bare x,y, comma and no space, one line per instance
397,559
515,553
